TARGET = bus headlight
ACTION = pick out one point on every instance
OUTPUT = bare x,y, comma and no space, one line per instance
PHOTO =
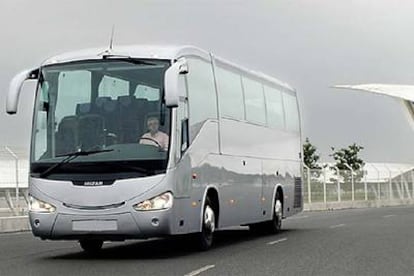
164,201
38,206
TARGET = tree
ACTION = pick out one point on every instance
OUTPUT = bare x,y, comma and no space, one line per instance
310,156
348,157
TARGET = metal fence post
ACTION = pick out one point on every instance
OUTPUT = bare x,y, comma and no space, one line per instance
16,159
338,183
404,184
378,183
412,182
391,195
324,185
352,181
309,183
365,185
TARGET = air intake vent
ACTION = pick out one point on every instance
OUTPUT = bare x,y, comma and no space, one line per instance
297,203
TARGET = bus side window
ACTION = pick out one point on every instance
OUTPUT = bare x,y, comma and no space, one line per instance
201,94
274,108
254,101
230,93
113,87
184,136
182,116
147,92
291,112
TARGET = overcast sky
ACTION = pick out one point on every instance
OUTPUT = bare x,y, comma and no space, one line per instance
311,44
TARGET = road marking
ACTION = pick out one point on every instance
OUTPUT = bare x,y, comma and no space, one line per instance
200,270
388,216
337,226
277,241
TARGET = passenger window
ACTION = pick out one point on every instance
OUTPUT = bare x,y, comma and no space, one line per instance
274,108
201,92
291,112
113,87
147,92
230,94
254,101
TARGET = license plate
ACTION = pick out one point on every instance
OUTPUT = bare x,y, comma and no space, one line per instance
94,225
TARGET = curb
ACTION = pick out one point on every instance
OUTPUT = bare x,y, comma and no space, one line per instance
321,206
14,224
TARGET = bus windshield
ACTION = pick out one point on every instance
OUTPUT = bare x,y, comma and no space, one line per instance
113,107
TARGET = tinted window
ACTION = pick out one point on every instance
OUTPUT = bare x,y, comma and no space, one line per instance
291,112
147,92
254,101
201,91
274,105
113,87
74,119
73,88
230,94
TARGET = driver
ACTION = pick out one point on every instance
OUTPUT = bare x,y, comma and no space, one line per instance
154,135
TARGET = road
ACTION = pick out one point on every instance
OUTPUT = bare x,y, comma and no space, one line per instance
377,241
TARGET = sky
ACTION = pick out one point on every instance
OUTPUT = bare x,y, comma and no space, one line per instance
310,44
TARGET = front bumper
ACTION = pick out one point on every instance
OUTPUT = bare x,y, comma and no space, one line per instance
119,226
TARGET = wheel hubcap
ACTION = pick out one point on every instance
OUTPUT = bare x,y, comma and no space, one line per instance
209,219
278,209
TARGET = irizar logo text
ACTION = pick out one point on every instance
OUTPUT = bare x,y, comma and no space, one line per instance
93,183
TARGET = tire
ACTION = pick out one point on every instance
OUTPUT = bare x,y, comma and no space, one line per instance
275,225
257,228
205,237
91,246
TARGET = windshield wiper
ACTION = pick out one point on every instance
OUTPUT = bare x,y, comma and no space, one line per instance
69,157
83,152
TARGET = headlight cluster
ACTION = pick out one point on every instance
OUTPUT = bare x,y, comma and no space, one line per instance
164,201
36,205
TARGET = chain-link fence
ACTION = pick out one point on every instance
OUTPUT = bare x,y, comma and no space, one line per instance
14,167
377,182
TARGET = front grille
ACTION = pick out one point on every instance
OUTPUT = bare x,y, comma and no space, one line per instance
101,207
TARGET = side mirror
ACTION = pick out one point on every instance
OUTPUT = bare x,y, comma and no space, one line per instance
15,89
171,94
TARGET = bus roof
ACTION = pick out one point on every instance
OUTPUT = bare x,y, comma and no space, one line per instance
169,52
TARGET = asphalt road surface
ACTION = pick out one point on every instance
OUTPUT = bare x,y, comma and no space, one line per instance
377,241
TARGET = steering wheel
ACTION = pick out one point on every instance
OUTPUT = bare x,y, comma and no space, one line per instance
153,140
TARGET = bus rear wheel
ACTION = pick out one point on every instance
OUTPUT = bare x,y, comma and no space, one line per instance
205,237
91,246
275,225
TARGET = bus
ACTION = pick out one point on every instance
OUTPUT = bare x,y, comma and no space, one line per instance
230,152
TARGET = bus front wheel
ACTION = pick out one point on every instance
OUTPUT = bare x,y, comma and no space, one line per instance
205,237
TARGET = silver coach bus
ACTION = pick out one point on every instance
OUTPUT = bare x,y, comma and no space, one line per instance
231,153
